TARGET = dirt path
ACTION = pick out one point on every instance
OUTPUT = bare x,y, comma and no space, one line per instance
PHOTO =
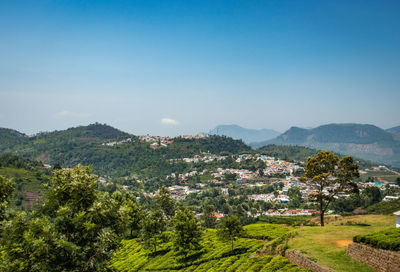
343,243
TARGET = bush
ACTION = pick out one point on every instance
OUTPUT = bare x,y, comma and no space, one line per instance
264,231
285,220
386,239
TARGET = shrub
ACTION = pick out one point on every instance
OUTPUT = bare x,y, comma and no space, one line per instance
386,239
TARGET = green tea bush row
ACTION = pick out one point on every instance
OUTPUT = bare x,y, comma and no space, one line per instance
264,231
285,220
214,256
386,239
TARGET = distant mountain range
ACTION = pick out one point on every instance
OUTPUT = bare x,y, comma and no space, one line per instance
395,131
245,134
85,145
365,141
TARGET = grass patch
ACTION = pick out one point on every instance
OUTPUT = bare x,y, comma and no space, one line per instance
327,245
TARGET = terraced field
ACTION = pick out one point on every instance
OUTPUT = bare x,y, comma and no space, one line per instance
214,255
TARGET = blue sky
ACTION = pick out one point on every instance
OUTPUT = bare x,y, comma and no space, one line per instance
179,67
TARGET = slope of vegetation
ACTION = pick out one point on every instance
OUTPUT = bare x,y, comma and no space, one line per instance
263,231
85,145
386,239
214,256
28,175
385,207
10,139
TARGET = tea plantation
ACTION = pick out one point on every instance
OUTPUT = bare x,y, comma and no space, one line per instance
213,256
386,239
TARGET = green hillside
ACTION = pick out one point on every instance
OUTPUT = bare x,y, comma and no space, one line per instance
87,145
11,139
29,177
214,255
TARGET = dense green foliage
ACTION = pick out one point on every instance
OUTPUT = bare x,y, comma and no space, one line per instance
85,145
14,161
76,229
230,229
214,255
28,175
387,207
387,239
10,138
165,202
329,176
6,188
187,233
263,231
285,220
153,230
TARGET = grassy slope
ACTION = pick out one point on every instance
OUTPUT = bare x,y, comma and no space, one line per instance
328,244
214,256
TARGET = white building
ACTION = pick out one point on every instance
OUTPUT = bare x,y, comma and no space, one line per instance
397,219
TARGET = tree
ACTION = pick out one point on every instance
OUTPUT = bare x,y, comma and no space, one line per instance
136,214
76,229
208,218
187,232
6,189
229,229
154,225
373,195
230,176
165,202
328,176
295,195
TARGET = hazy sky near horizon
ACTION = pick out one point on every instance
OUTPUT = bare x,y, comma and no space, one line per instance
180,67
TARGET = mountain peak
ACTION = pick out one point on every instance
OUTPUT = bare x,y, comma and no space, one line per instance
362,140
247,135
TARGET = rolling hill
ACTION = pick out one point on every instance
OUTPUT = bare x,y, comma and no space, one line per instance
88,145
244,134
364,141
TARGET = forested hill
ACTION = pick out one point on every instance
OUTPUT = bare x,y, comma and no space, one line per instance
364,141
112,152
10,138
91,132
